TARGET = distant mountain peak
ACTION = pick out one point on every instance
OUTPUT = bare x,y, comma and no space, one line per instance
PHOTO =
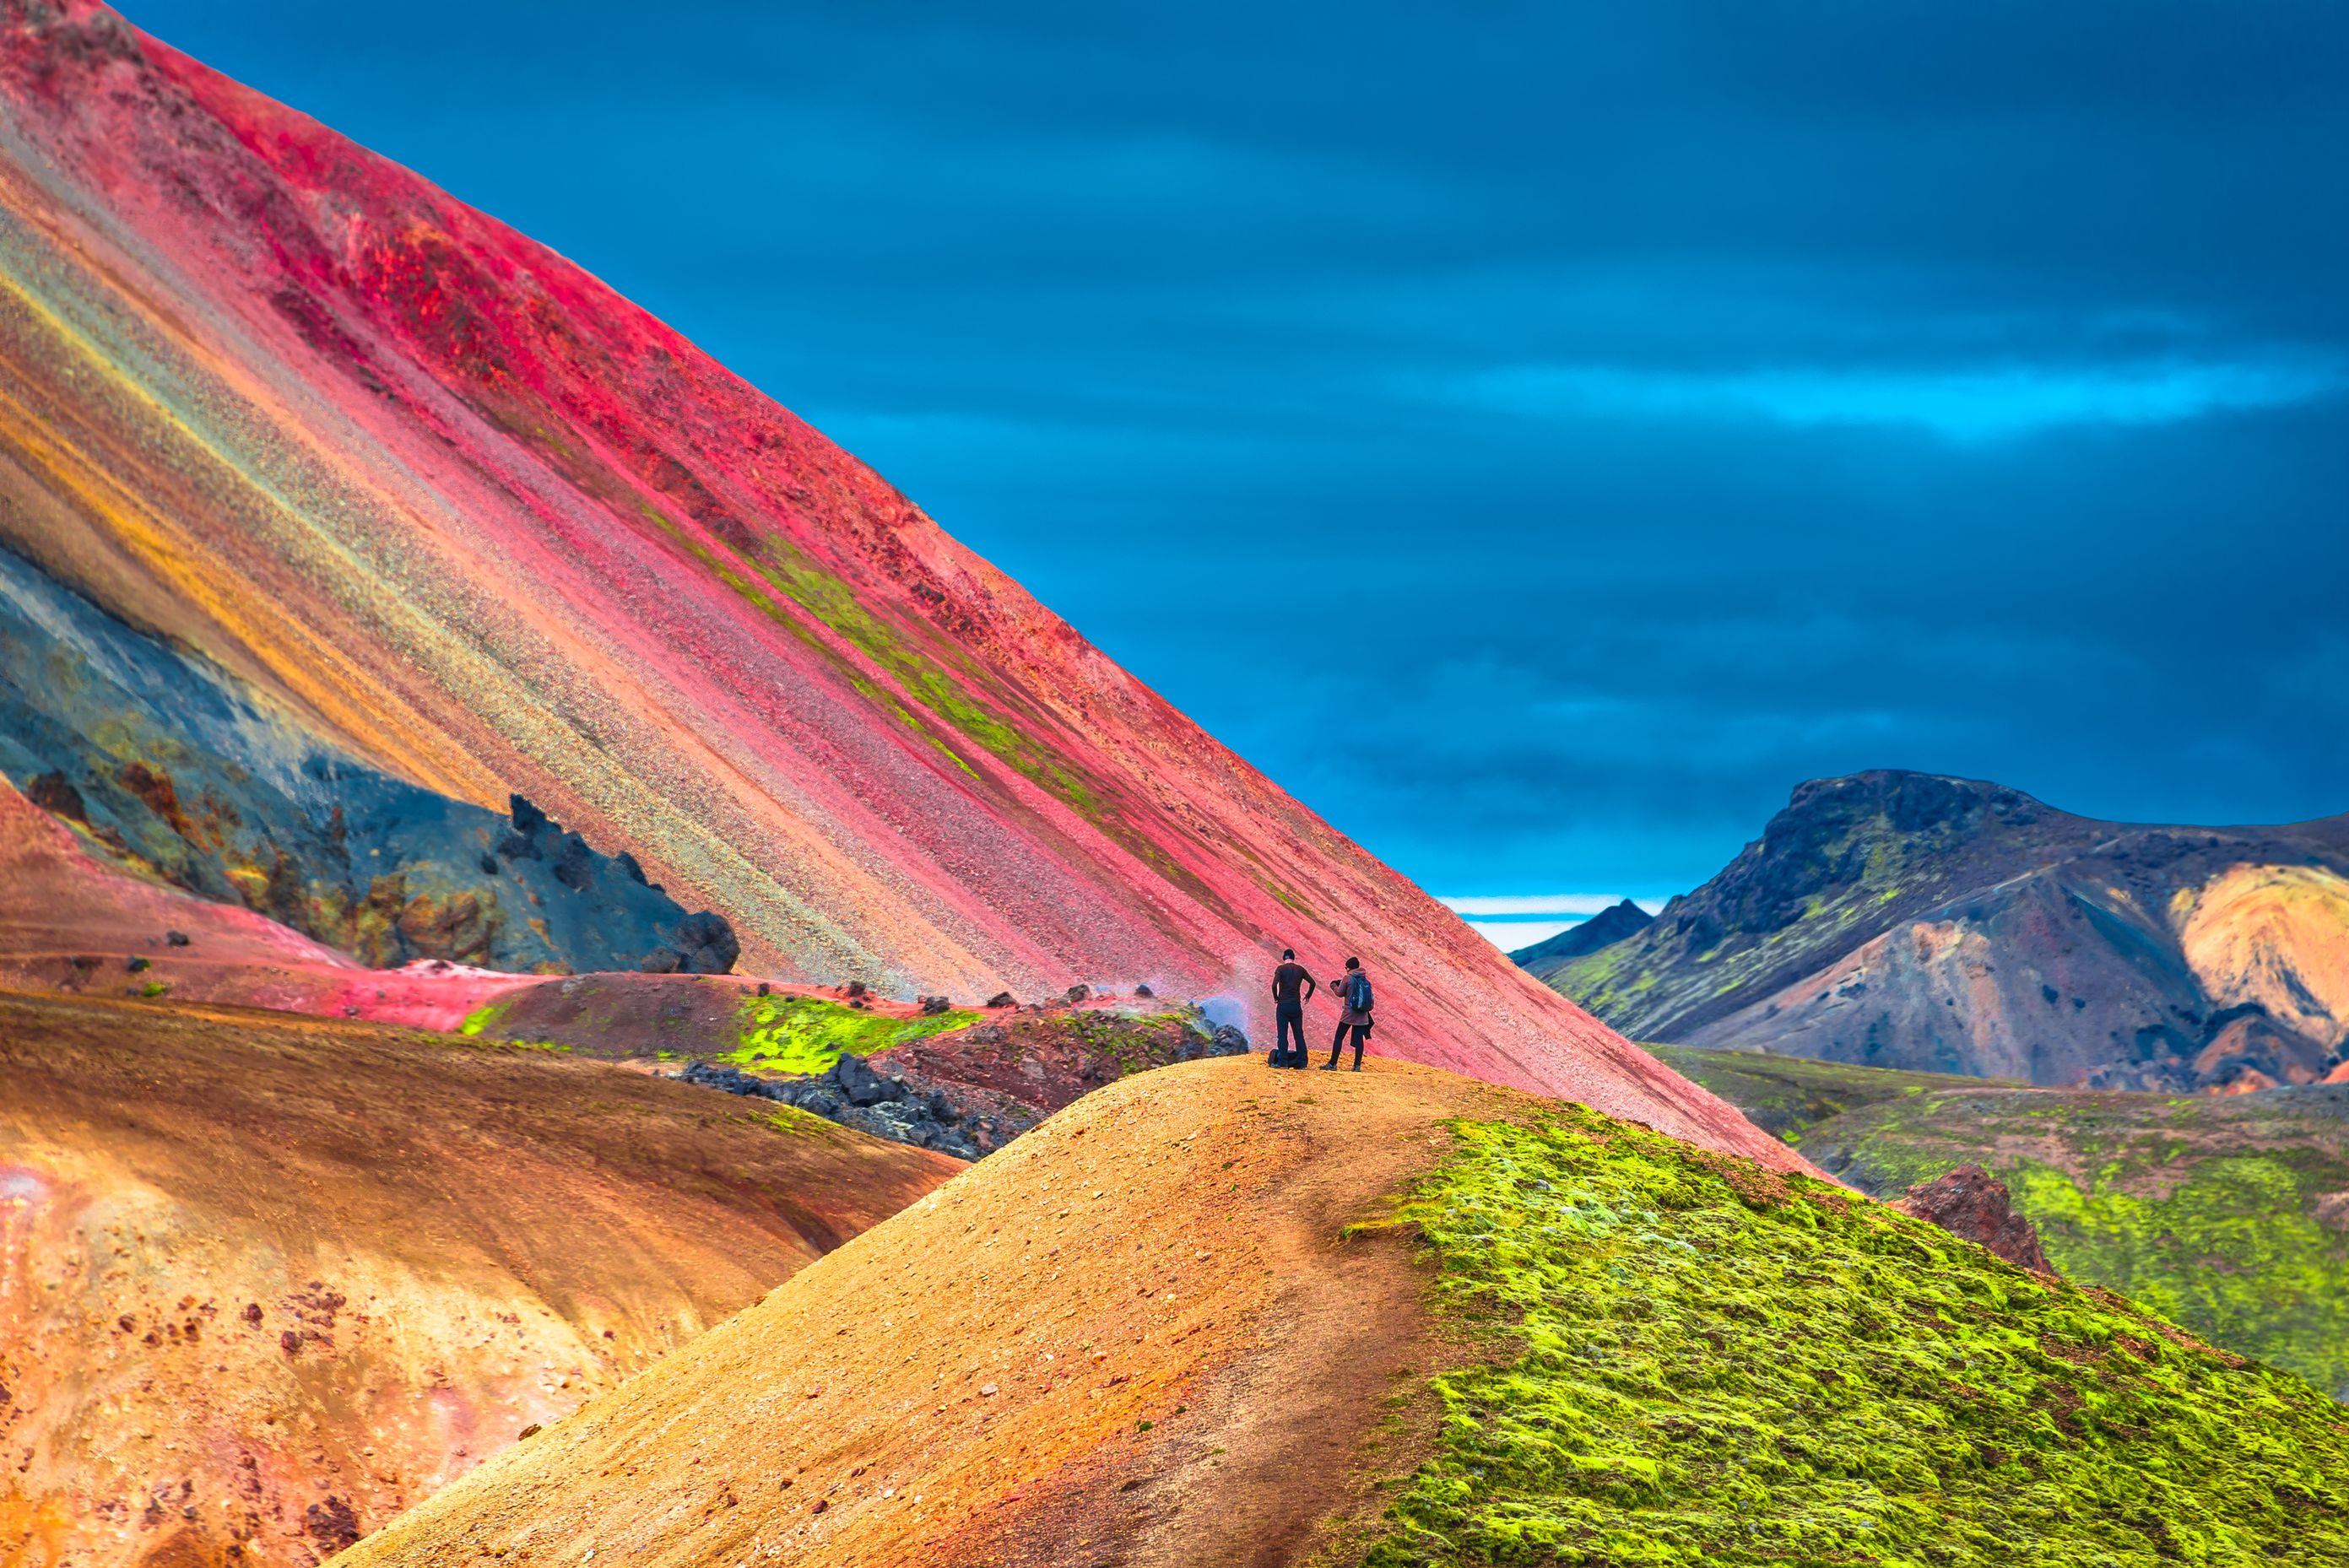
1889,834
1912,801
1608,926
1902,919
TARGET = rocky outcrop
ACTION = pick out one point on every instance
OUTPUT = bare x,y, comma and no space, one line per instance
1046,1058
704,944
1971,1202
71,922
852,1094
171,768
969,1091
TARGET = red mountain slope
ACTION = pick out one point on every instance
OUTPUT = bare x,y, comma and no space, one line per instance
492,527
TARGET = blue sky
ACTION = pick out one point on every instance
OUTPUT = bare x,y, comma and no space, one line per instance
1537,435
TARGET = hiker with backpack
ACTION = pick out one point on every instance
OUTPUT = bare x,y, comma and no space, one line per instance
1292,987
1352,990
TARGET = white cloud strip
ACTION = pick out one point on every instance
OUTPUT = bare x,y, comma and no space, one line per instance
1963,403
1542,904
1510,935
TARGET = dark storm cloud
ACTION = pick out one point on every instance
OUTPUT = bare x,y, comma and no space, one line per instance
1635,409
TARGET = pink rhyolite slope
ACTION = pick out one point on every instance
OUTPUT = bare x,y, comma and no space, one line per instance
492,526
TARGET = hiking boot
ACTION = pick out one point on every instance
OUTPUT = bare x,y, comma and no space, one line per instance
1329,1067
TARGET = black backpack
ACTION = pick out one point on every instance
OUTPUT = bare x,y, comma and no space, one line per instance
1358,992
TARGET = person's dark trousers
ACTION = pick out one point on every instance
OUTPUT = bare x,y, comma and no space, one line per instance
1289,1048
1337,1044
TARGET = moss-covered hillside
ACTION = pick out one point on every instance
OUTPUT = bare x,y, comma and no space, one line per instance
1790,1095
1701,1363
2229,1215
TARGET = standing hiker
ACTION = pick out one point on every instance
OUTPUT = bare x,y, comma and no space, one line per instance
1352,990
1288,1009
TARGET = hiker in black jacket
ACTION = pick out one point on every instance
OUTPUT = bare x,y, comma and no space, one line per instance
1352,990
1288,1009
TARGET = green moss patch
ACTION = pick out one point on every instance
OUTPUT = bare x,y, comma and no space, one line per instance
1703,1363
808,1034
793,1122
2211,1212
483,1018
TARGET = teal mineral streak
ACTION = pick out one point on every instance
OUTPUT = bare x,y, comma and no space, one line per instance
1700,1363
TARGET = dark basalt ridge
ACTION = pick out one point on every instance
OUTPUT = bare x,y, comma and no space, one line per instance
171,768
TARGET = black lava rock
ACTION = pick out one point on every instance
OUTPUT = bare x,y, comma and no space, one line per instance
853,1094
375,865
820,1100
1224,1040
707,944
733,1080
575,863
859,1081
527,818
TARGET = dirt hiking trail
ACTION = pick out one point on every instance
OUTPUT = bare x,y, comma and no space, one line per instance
1136,1336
